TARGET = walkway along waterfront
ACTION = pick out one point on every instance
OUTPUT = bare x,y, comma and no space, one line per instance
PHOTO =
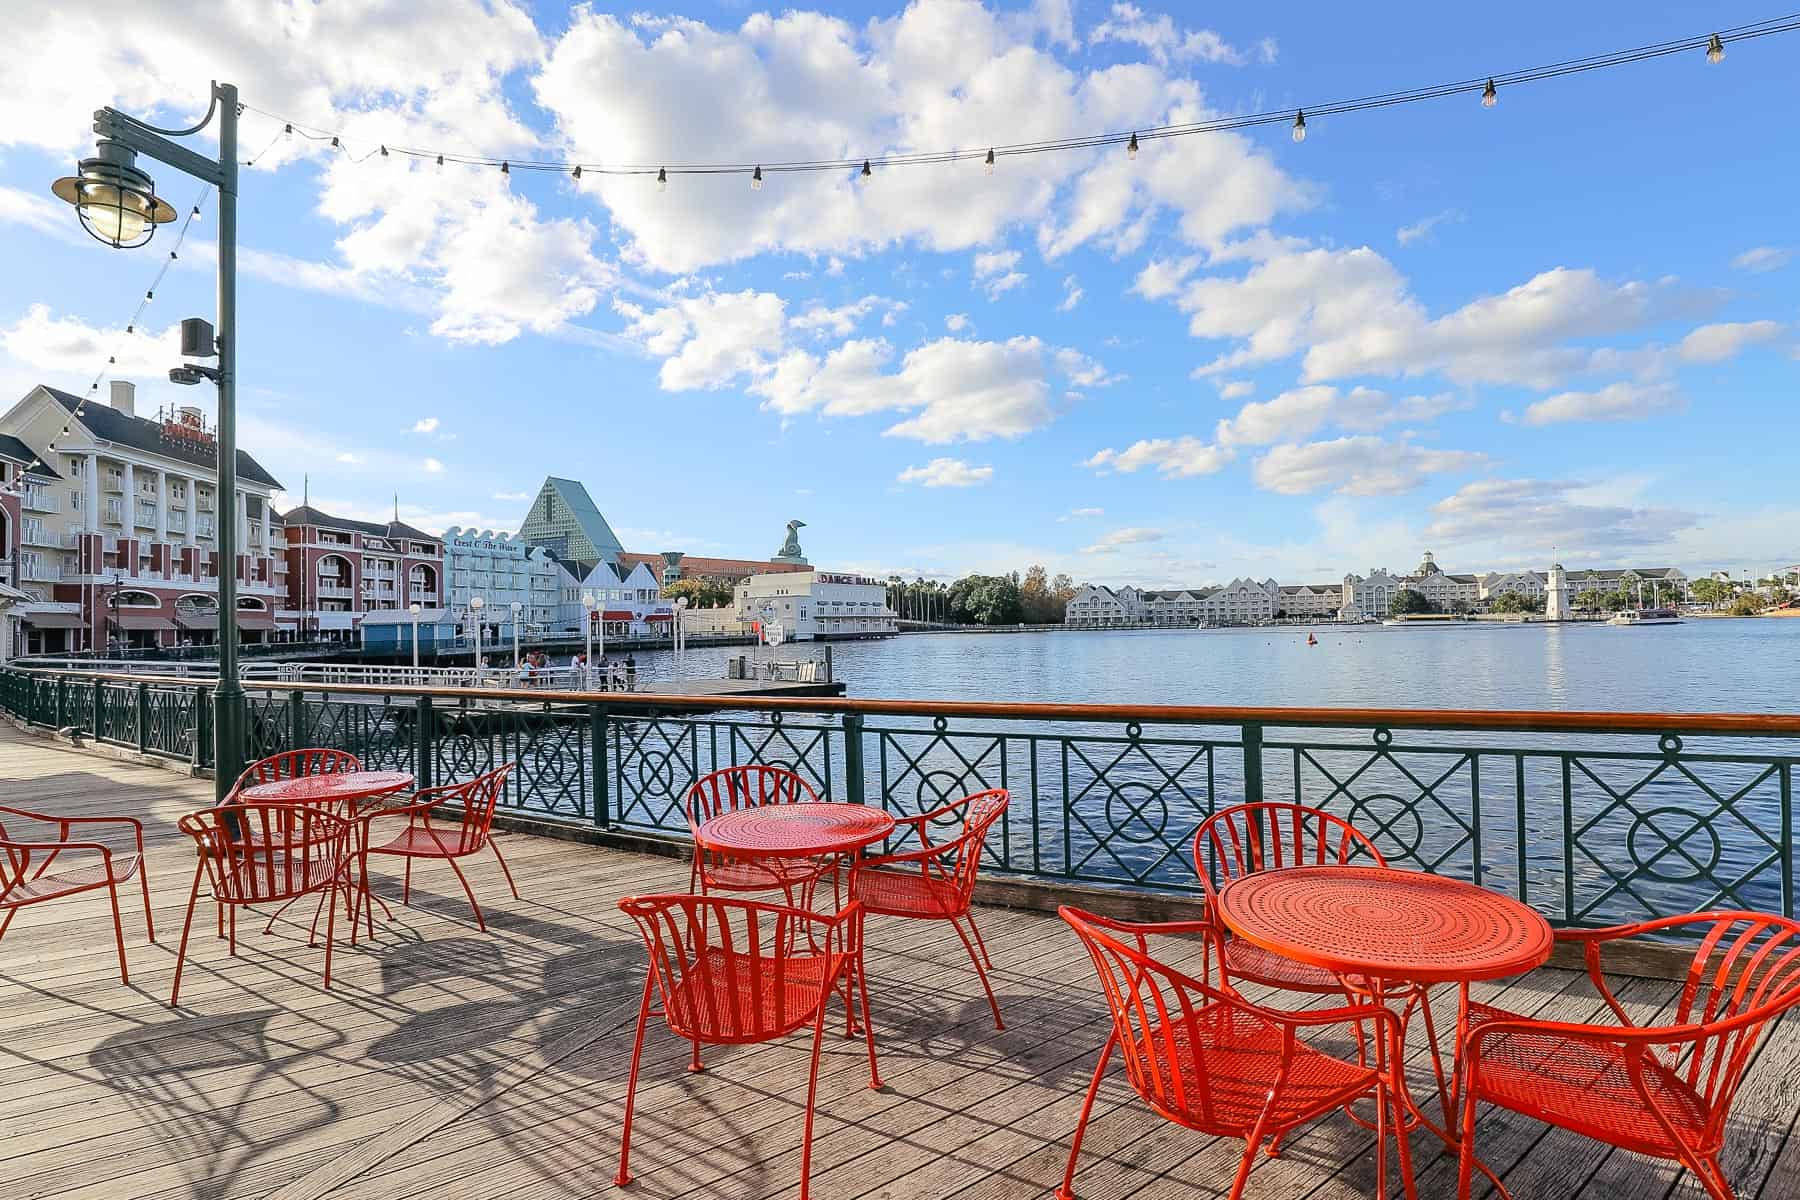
1592,818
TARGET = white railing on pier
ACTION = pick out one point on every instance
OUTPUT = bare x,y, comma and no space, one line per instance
615,678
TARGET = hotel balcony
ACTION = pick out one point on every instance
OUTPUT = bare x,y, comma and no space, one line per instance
40,499
177,521
334,591
450,1060
112,481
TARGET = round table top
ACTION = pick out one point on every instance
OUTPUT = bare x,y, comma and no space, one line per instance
794,830
328,787
1385,924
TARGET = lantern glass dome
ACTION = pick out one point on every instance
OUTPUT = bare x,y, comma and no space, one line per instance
117,202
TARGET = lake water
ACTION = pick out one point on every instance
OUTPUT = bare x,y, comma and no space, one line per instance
1707,665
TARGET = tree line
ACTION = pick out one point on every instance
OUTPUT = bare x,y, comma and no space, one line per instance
1034,598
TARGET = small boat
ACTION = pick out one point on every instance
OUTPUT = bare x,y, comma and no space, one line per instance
1646,616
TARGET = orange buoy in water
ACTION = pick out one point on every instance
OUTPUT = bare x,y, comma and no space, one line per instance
1311,640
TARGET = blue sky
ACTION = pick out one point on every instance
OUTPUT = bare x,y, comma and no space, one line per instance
1568,322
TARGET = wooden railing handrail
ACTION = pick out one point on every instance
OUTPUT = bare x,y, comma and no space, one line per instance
1567,721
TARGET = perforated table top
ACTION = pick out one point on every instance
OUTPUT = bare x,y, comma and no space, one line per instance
329,787
1386,924
794,830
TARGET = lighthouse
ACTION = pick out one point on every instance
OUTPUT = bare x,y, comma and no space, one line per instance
1556,594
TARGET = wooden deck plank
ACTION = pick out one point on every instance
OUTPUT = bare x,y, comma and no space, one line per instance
448,1061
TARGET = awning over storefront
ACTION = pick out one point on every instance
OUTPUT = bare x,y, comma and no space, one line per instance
618,616
55,620
255,618
197,620
131,620
659,617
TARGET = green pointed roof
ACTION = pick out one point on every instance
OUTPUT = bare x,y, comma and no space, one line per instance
564,520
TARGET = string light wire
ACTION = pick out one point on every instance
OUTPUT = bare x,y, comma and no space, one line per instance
17,486
1710,44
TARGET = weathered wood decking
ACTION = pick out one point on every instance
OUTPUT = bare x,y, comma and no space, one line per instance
450,1063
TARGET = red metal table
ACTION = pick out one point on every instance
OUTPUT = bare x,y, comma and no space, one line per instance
1376,928
331,787
339,788
813,829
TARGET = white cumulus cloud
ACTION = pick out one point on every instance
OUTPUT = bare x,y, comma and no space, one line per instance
946,472
1174,458
1356,466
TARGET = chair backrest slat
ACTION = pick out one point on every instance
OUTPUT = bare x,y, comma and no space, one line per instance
1156,1013
1745,972
725,968
255,852
1248,838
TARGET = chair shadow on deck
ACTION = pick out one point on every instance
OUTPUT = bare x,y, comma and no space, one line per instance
168,1073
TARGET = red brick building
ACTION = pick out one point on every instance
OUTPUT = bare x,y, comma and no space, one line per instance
339,569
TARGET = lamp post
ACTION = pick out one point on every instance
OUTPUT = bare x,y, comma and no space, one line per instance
118,205
415,609
678,638
589,603
476,604
518,610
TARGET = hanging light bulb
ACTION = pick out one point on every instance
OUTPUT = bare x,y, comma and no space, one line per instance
988,166
1489,97
334,143
506,168
440,164
1131,147
756,180
866,174
384,152
662,179
1715,50
576,172
1299,126
287,131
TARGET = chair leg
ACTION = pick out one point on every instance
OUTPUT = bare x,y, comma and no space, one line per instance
406,887
1381,1188
812,1092
1067,1190
1251,1145
504,870
980,972
188,924
331,899
862,985
112,893
981,945
231,929
10,914
637,1051
470,893
1712,1178
144,882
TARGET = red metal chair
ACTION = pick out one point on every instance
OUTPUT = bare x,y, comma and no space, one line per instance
452,837
261,853
732,788
1249,838
731,972
1210,1060
1661,1090
21,885
943,886
291,764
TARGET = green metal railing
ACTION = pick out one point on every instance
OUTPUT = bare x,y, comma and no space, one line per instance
1591,818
